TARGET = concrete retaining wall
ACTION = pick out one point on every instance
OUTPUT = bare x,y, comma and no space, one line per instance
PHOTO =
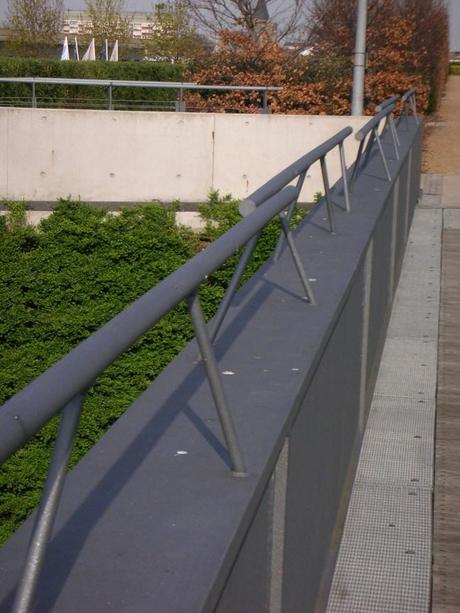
139,156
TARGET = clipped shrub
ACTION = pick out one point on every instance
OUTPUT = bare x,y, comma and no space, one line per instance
71,95
61,281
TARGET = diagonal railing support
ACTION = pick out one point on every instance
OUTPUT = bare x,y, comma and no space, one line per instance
382,154
343,168
296,258
290,212
48,506
233,286
215,383
327,190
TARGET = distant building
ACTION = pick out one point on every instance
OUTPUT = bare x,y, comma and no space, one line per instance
77,23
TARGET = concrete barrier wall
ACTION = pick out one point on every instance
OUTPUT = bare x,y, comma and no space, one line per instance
103,156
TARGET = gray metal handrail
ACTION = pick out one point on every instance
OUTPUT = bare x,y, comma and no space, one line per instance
374,122
373,133
297,170
387,102
409,102
110,84
63,386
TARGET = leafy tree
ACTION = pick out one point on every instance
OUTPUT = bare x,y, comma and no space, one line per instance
35,23
174,37
107,20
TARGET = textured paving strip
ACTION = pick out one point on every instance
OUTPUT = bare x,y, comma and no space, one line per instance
384,563
446,532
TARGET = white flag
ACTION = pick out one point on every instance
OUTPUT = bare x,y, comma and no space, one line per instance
65,50
77,53
114,54
90,53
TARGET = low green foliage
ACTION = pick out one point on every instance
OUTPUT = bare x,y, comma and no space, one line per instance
65,95
454,68
61,281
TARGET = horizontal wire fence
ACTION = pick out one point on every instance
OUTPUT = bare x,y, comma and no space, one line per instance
47,92
62,388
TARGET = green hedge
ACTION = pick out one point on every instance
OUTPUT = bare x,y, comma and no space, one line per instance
85,96
61,281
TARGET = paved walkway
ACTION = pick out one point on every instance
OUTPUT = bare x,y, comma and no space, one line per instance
442,142
442,191
401,546
384,564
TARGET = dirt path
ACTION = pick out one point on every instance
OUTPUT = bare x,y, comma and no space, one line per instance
442,134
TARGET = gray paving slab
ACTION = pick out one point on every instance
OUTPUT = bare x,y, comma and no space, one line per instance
414,323
451,191
431,184
398,447
408,368
429,201
384,563
452,219
387,569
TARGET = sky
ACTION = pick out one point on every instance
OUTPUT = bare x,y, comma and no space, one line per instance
146,5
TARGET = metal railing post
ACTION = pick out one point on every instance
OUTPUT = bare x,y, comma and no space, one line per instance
48,506
290,211
215,383
327,191
110,93
382,154
296,258
180,106
394,130
265,101
389,126
34,96
343,166
413,104
354,174
233,287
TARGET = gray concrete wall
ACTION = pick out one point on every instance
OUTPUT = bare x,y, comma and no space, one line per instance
139,156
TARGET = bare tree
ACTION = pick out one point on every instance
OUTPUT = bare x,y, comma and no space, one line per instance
287,19
35,23
107,20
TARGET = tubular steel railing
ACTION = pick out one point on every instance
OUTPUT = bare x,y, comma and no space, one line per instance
369,135
296,171
110,85
63,386
409,103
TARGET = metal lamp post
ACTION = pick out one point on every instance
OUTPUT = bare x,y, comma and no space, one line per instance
359,59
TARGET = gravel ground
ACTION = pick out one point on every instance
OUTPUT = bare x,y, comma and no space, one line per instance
442,133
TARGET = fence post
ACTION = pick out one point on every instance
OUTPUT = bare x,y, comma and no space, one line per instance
110,92
34,97
265,102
